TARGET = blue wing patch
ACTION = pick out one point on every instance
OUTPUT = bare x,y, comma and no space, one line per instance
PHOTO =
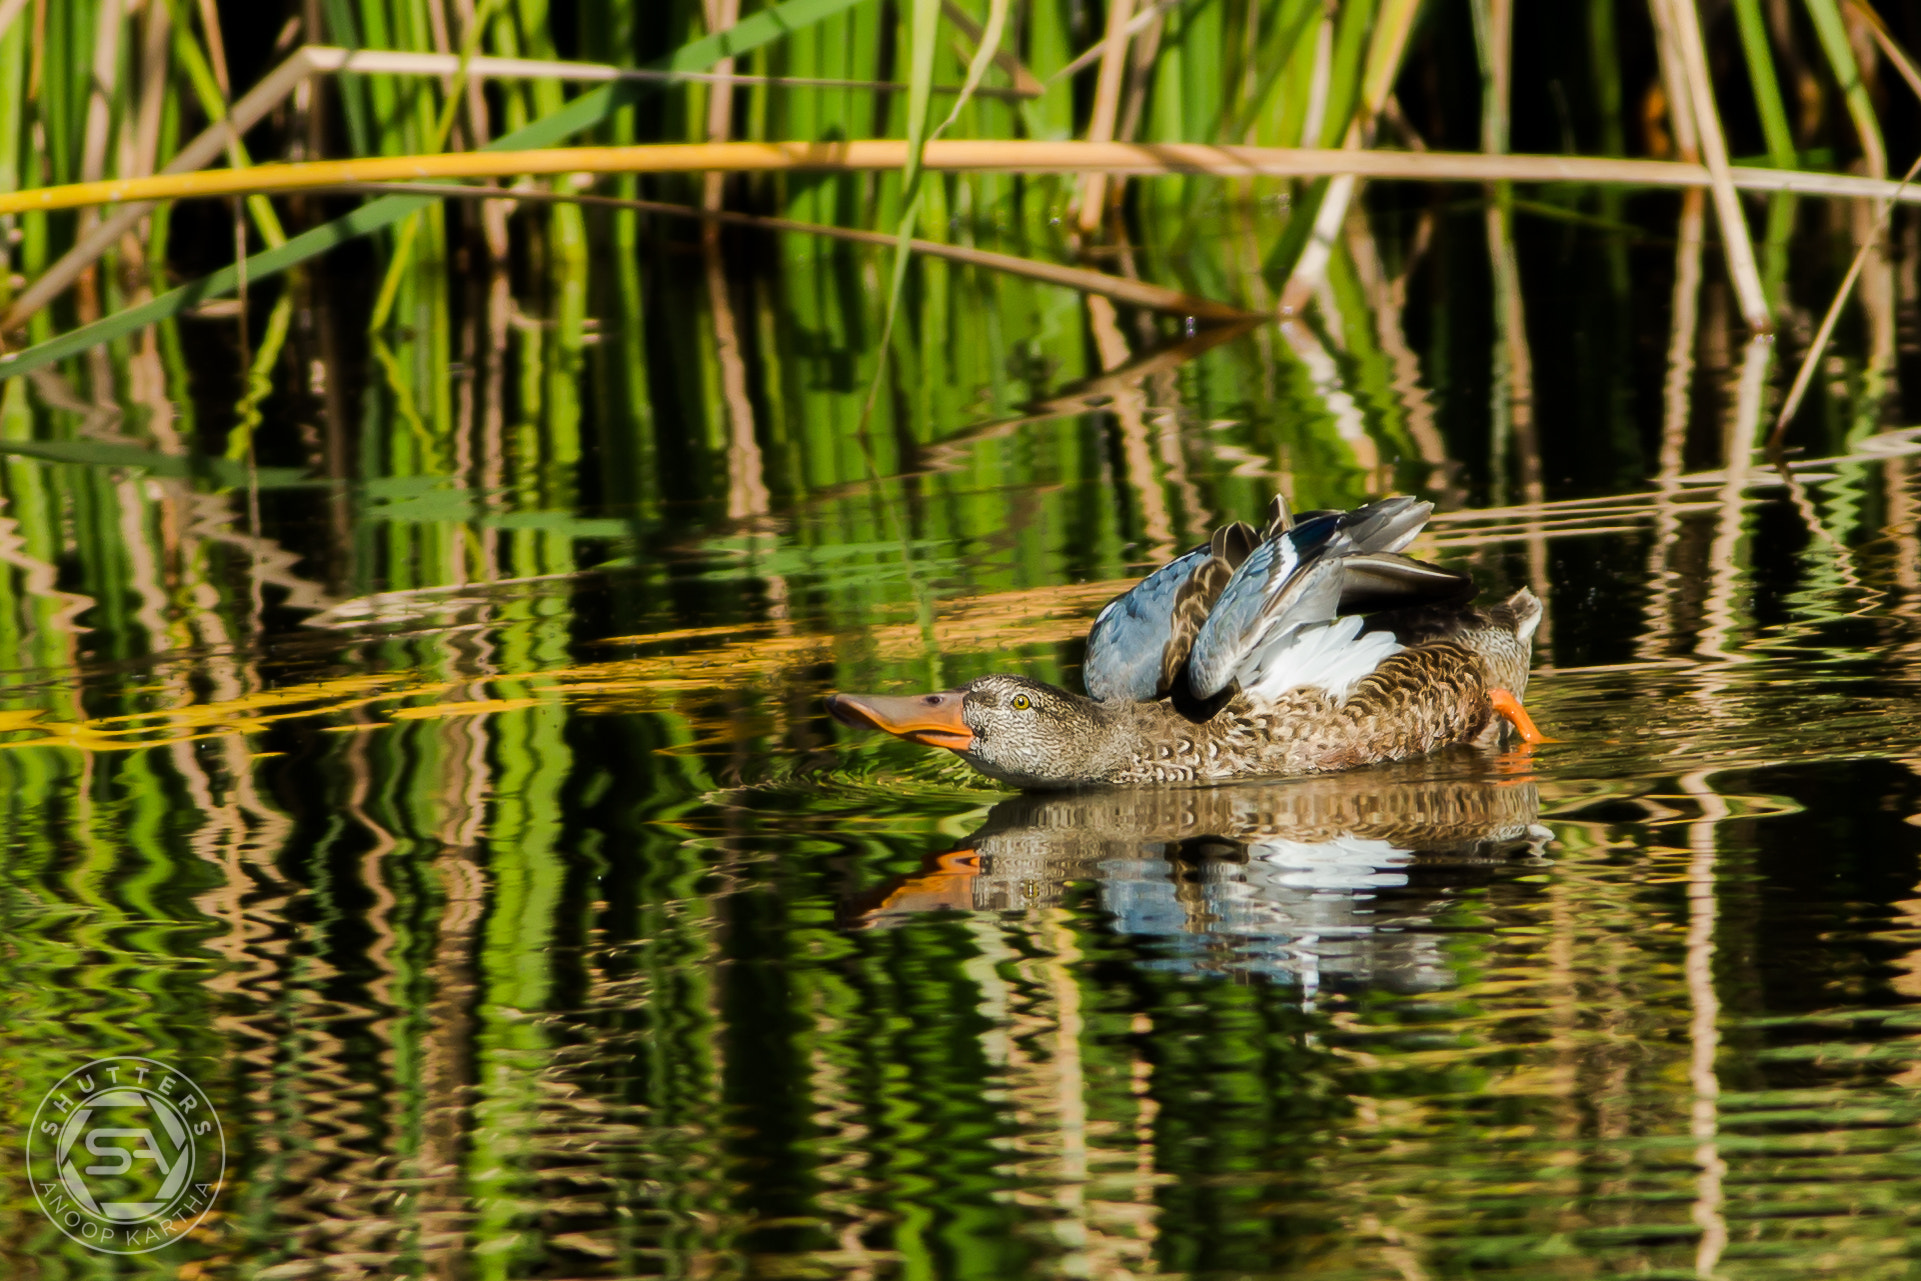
1126,643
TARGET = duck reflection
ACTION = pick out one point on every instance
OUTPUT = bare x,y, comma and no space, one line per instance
1340,880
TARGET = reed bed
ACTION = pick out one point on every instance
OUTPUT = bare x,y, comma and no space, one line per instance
164,164
414,420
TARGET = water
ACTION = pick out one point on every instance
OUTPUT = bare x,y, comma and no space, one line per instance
469,826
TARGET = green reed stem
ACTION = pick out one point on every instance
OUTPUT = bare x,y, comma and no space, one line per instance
443,127
1833,35
582,113
1767,88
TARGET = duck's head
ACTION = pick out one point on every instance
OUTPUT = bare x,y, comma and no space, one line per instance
1017,730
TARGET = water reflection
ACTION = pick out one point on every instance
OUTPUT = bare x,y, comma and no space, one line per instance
1332,882
459,810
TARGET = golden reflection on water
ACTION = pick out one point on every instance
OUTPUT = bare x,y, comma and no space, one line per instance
525,915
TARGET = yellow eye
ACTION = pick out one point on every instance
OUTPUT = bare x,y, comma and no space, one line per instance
1022,702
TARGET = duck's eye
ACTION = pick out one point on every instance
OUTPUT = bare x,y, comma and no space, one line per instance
1022,702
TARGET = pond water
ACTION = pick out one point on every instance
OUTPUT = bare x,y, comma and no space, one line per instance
451,796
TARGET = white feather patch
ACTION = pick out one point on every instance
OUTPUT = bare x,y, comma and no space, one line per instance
1347,862
1331,656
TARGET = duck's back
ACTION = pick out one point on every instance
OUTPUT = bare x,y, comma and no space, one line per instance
1325,648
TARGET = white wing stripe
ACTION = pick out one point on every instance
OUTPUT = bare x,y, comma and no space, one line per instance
1330,656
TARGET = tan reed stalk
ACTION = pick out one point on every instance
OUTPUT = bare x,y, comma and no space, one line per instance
1089,56
1879,29
721,14
1674,84
959,156
1107,104
1385,49
1685,27
1122,289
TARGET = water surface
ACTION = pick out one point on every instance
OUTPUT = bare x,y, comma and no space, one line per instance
453,798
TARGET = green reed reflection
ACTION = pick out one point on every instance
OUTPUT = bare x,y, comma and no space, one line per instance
446,784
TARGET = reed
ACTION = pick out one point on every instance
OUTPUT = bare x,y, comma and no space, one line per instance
570,390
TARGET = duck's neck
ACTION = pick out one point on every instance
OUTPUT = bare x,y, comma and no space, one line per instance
1131,742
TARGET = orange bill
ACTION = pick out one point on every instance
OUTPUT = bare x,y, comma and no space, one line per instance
1510,707
933,719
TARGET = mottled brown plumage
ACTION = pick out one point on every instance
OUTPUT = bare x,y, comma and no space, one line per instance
1312,691
1230,546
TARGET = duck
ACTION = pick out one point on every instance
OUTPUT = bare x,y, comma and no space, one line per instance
1312,645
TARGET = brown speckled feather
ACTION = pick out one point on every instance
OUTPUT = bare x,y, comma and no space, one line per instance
1416,701
1229,546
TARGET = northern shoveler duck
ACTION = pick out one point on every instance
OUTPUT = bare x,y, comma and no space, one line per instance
1313,646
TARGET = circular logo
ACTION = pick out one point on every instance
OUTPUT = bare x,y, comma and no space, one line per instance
126,1155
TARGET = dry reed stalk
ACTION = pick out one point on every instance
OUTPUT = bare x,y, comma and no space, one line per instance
153,90
1107,103
1122,289
1685,29
721,14
311,60
93,152
1687,143
216,48
1385,49
1134,159
1889,47
1137,24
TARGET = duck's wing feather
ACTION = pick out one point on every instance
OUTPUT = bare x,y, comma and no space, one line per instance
1374,581
1275,626
1141,640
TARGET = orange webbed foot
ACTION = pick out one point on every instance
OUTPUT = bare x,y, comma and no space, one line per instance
1509,707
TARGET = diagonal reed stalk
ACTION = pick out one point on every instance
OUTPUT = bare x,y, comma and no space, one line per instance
1889,46
1804,376
1122,289
1026,85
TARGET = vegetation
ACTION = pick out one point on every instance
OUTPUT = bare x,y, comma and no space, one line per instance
417,604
